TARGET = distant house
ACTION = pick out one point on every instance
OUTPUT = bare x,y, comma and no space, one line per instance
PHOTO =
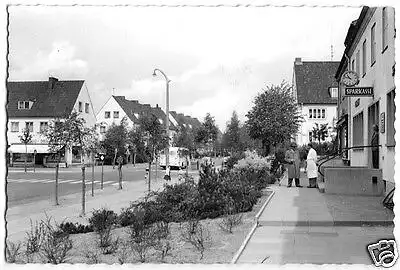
315,90
185,121
119,108
33,105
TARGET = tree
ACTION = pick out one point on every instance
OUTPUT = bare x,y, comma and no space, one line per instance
26,138
320,132
62,134
116,137
232,134
208,132
275,117
155,139
184,138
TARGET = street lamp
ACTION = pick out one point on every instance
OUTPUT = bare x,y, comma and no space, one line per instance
166,112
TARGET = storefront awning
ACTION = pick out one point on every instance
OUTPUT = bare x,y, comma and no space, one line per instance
20,148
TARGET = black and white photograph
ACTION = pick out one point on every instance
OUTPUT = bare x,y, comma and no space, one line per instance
199,132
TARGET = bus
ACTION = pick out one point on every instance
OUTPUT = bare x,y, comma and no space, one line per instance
178,157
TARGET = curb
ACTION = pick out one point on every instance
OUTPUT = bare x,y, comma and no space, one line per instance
255,225
322,223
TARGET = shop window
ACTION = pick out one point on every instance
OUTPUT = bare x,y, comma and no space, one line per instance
29,126
107,114
391,110
358,129
14,126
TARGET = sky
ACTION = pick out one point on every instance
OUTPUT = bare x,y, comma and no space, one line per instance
218,59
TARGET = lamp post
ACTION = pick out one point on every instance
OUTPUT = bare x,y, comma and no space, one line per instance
166,112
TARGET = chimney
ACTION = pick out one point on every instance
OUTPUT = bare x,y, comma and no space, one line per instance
297,61
156,105
52,82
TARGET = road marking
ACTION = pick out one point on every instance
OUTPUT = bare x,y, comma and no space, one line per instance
115,184
107,182
66,181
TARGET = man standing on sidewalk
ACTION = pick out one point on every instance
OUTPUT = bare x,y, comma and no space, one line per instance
293,160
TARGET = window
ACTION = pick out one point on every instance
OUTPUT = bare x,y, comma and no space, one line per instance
86,107
102,129
385,27
315,113
116,114
333,92
309,113
80,106
23,105
391,110
373,45
323,113
319,113
358,129
14,126
352,66
29,125
44,126
364,57
310,137
107,114
358,62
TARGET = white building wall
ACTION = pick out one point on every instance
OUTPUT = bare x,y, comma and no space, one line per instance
308,123
37,137
379,76
111,106
90,117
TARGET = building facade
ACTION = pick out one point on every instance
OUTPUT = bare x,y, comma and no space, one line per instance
369,52
34,105
315,90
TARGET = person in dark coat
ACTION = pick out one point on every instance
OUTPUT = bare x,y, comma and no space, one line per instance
292,158
375,147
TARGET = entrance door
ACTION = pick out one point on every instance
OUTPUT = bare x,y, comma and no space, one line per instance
373,119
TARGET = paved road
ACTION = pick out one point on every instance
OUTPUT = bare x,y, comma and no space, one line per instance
40,185
34,186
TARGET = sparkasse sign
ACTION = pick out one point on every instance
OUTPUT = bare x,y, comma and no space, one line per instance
359,91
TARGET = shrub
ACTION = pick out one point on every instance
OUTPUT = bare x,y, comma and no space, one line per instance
102,221
34,237
92,255
12,251
123,252
233,159
230,219
75,228
197,235
56,243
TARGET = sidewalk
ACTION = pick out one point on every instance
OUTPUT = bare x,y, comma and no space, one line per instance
69,208
302,225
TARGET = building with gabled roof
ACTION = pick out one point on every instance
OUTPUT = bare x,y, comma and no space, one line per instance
118,108
315,90
33,105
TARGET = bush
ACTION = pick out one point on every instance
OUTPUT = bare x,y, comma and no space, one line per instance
56,243
102,221
75,228
198,235
231,218
12,251
34,237
233,159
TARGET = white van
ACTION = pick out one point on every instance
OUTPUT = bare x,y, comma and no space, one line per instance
178,157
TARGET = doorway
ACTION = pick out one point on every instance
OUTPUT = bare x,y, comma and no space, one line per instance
373,119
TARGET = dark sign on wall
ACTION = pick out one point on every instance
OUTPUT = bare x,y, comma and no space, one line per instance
359,91
382,121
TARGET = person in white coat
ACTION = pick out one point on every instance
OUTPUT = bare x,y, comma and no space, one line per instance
311,167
